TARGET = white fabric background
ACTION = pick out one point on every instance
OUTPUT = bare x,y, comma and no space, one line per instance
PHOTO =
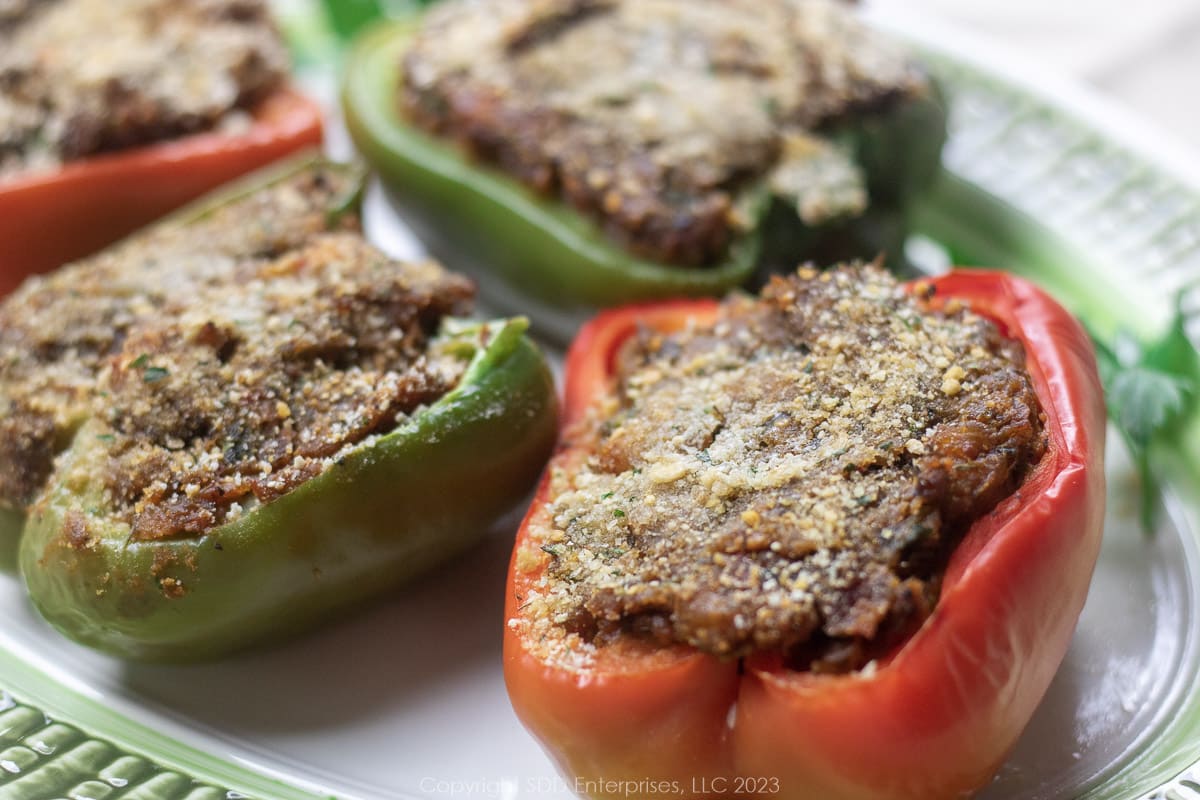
1143,54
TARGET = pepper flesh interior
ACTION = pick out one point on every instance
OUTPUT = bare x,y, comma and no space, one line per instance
790,478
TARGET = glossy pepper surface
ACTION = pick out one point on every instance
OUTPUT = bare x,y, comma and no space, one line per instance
934,718
553,262
52,217
393,506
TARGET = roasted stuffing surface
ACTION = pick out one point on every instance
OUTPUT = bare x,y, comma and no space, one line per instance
654,115
80,77
790,478
222,363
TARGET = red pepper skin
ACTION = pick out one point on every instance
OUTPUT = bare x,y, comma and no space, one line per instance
935,718
50,218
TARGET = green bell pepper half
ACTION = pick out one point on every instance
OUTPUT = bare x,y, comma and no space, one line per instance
485,217
536,254
392,508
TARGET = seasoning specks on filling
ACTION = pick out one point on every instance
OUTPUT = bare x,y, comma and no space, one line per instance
263,385
219,364
81,77
790,478
656,116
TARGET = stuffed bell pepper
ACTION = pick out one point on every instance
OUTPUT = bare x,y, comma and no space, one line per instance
599,152
114,112
246,418
831,542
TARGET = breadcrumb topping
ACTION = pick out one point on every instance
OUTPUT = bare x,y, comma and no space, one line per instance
80,77
223,362
236,397
654,116
789,478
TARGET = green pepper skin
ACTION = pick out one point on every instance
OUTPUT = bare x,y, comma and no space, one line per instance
11,523
900,150
536,254
390,509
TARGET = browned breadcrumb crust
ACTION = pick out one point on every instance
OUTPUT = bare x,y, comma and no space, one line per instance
229,360
58,330
80,77
653,115
791,478
249,391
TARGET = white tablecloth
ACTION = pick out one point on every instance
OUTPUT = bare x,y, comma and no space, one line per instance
1145,55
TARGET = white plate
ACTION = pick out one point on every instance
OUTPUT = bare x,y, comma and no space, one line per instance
406,699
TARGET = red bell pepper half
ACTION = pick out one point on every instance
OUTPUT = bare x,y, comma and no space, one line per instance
50,218
936,717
